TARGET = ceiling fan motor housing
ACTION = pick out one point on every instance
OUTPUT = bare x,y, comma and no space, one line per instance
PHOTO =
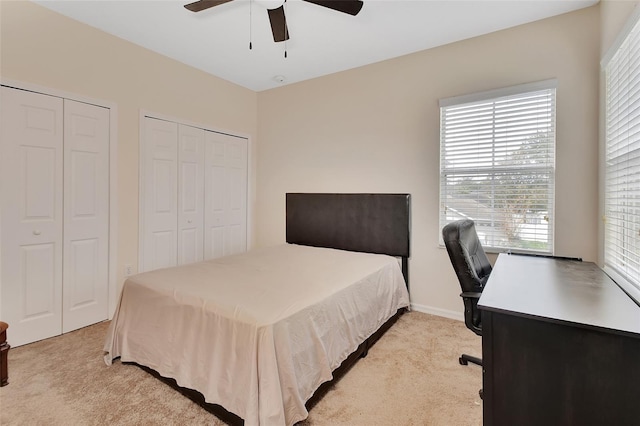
276,12
270,4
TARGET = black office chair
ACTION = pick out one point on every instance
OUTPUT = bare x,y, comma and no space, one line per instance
472,268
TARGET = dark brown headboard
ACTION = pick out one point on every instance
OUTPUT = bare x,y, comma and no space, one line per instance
371,223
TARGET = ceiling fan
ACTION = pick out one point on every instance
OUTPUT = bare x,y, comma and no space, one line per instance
276,15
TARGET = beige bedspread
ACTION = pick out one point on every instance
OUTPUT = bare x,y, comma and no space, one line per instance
257,332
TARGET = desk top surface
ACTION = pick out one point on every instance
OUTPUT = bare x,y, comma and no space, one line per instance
559,291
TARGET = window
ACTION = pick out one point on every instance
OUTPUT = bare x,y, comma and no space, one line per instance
497,163
622,161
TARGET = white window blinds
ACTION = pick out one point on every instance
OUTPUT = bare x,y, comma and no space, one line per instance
497,163
622,154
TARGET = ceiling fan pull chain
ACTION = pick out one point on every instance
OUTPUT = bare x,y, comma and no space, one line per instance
284,6
250,24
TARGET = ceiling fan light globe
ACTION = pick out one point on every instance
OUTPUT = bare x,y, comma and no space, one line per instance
270,4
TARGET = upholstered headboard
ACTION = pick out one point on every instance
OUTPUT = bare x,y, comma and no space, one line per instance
371,223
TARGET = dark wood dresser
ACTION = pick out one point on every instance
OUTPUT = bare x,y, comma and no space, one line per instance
560,345
4,352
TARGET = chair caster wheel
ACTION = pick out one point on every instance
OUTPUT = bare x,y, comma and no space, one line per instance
480,393
462,361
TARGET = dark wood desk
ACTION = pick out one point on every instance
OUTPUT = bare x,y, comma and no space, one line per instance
560,345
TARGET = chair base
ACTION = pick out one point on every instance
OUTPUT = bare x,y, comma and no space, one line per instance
466,359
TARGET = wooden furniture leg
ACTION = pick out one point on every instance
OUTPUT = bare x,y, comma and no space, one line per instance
4,350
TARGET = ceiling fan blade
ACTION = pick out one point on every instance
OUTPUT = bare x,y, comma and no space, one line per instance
278,24
352,7
197,6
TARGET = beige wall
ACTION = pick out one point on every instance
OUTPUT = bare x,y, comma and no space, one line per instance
372,129
41,47
375,129
613,16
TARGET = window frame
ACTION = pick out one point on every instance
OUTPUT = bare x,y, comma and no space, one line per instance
495,96
629,284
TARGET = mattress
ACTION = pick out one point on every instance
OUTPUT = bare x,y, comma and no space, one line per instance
258,332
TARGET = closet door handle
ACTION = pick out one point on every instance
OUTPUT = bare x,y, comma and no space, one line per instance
36,232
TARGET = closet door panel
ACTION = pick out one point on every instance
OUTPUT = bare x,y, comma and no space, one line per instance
237,210
190,194
86,215
215,243
38,285
160,194
215,219
31,160
225,194
215,215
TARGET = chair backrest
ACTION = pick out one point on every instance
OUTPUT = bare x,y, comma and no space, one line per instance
467,255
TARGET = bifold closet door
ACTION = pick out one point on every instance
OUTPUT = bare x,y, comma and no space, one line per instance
190,194
160,194
225,221
31,161
86,215
173,181
54,166
193,194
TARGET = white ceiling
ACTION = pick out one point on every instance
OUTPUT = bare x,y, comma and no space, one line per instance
322,41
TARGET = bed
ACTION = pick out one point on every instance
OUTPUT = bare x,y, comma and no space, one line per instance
258,333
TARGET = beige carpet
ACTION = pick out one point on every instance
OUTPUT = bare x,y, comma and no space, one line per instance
410,377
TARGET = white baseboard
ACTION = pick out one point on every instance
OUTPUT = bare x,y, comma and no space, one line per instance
456,315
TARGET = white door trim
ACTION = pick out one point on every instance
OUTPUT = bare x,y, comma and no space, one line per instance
113,172
141,195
